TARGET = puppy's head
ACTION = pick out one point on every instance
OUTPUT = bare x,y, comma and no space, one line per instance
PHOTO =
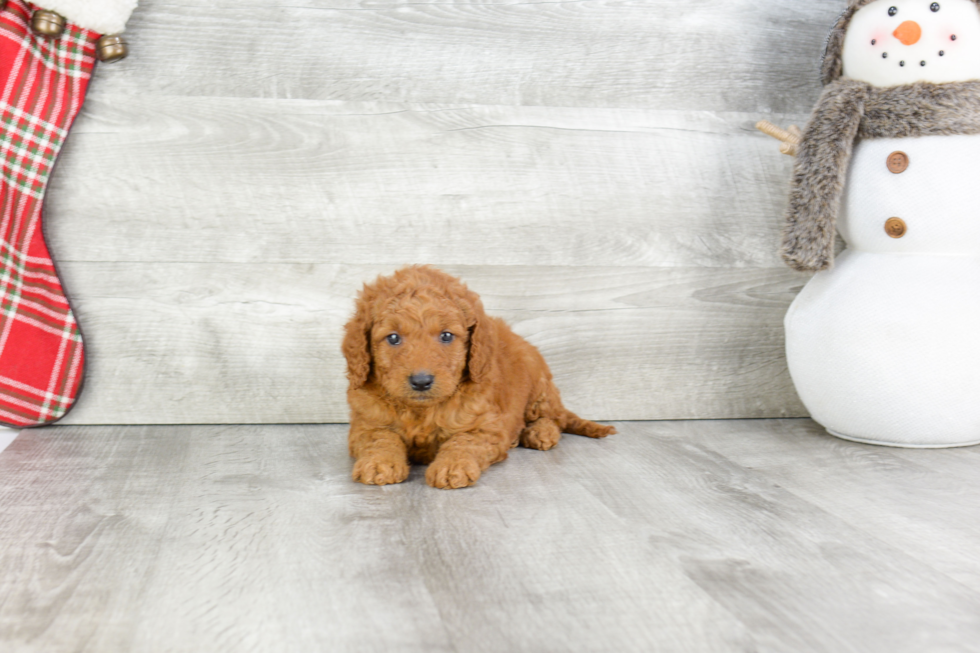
418,334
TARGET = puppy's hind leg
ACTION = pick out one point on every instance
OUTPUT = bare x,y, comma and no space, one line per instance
541,434
547,407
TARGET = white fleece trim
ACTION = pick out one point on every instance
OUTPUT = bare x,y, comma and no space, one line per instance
102,16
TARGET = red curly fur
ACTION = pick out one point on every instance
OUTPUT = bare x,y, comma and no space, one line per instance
491,390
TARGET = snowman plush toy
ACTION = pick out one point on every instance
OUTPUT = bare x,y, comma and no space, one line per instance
883,344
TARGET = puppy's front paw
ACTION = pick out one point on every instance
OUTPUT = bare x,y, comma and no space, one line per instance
542,434
380,470
449,473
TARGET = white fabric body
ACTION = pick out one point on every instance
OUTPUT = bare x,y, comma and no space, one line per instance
960,59
884,347
936,196
102,16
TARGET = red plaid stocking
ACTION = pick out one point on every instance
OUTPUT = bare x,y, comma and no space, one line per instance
42,86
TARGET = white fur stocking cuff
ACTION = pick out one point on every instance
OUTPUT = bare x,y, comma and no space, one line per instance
102,16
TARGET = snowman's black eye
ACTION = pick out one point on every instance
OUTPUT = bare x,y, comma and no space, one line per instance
934,6
892,11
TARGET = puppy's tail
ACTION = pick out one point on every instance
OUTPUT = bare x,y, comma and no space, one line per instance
572,423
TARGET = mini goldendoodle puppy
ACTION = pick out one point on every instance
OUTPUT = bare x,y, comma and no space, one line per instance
434,380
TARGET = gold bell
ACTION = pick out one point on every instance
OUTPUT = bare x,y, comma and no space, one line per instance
112,48
48,24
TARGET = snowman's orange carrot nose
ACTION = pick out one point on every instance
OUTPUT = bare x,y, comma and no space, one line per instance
908,32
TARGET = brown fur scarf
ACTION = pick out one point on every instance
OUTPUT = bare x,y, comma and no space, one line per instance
847,111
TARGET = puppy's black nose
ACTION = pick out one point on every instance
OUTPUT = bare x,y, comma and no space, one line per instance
421,381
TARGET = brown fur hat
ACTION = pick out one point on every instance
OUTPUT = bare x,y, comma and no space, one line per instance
833,53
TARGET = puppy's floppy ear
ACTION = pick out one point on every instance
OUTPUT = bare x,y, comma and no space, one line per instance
357,343
483,332
483,335
483,344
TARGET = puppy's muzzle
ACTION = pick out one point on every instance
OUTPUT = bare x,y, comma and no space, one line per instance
421,381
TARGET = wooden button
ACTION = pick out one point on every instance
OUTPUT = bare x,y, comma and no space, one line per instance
895,227
898,162
48,24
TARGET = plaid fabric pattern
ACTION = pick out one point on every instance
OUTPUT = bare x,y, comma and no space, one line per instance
42,86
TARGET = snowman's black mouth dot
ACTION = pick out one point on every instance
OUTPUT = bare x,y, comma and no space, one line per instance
901,63
884,55
874,41
953,37
922,63
942,53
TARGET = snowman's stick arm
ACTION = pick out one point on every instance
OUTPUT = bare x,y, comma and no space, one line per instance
790,137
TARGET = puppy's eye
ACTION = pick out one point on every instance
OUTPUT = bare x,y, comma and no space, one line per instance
892,11
394,339
446,337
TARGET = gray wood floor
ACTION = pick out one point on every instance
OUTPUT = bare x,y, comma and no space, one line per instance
673,536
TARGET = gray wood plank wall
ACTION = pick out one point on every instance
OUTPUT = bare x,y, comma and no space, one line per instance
589,167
